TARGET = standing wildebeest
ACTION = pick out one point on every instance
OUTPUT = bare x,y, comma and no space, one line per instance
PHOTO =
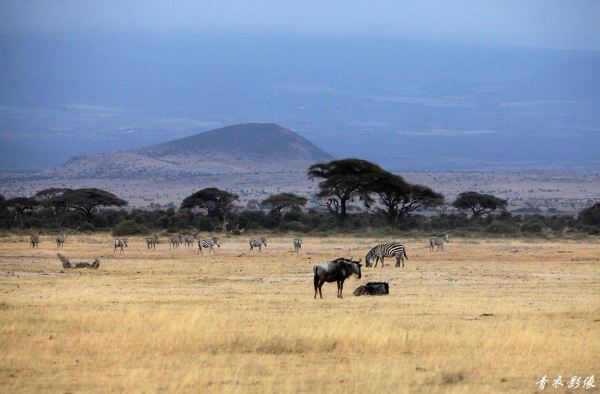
335,271
34,240
439,242
151,241
120,243
297,244
255,243
386,250
60,241
208,244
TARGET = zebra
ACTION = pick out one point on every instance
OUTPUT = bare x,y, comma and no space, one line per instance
297,244
174,241
60,241
386,250
208,244
34,240
151,241
189,240
439,242
120,243
255,243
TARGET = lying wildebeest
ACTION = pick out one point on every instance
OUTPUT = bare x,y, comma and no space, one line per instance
335,271
84,264
373,288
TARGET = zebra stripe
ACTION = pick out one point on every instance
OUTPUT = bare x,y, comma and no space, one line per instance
174,241
439,242
208,244
120,243
257,243
34,240
189,240
381,251
297,244
151,241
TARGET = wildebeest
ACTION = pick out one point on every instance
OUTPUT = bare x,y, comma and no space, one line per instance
335,271
60,241
34,240
373,288
82,264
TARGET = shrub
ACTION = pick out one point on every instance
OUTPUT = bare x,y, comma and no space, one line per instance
531,228
500,228
129,227
87,227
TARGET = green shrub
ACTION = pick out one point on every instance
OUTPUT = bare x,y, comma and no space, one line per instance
531,228
129,227
87,227
500,228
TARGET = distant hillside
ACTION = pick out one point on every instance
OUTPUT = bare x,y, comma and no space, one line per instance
240,149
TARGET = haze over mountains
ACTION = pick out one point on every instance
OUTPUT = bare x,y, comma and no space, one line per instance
408,105
235,150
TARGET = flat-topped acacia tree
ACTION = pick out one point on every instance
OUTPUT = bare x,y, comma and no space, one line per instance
342,180
86,200
280,201
478,203
213,201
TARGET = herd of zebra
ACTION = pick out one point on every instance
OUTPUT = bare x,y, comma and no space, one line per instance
379,252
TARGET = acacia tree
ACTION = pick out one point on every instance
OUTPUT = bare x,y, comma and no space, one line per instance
591,215
343,180
20,206
86,200
392,191
420,197
214,202
479,204
284,200
49,198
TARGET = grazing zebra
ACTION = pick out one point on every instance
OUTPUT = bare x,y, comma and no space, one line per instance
386,250
60,241
208,244
151,241
439,242
34,240
255,243
120,243
174,241
189,240
297,244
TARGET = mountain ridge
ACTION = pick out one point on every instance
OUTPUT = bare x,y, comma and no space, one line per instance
237,149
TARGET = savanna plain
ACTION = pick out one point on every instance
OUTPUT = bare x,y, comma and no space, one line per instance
484,315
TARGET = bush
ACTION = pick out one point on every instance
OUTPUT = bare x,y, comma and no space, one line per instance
500,228
129,227
531,228
87,227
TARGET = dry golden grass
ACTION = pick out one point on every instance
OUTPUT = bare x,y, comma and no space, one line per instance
173,321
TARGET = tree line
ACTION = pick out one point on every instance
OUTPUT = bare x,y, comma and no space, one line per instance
387,200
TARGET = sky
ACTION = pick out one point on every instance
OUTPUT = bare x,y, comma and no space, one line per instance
555,24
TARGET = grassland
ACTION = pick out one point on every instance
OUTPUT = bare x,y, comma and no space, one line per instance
483,316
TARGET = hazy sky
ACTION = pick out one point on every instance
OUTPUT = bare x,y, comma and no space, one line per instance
569,24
